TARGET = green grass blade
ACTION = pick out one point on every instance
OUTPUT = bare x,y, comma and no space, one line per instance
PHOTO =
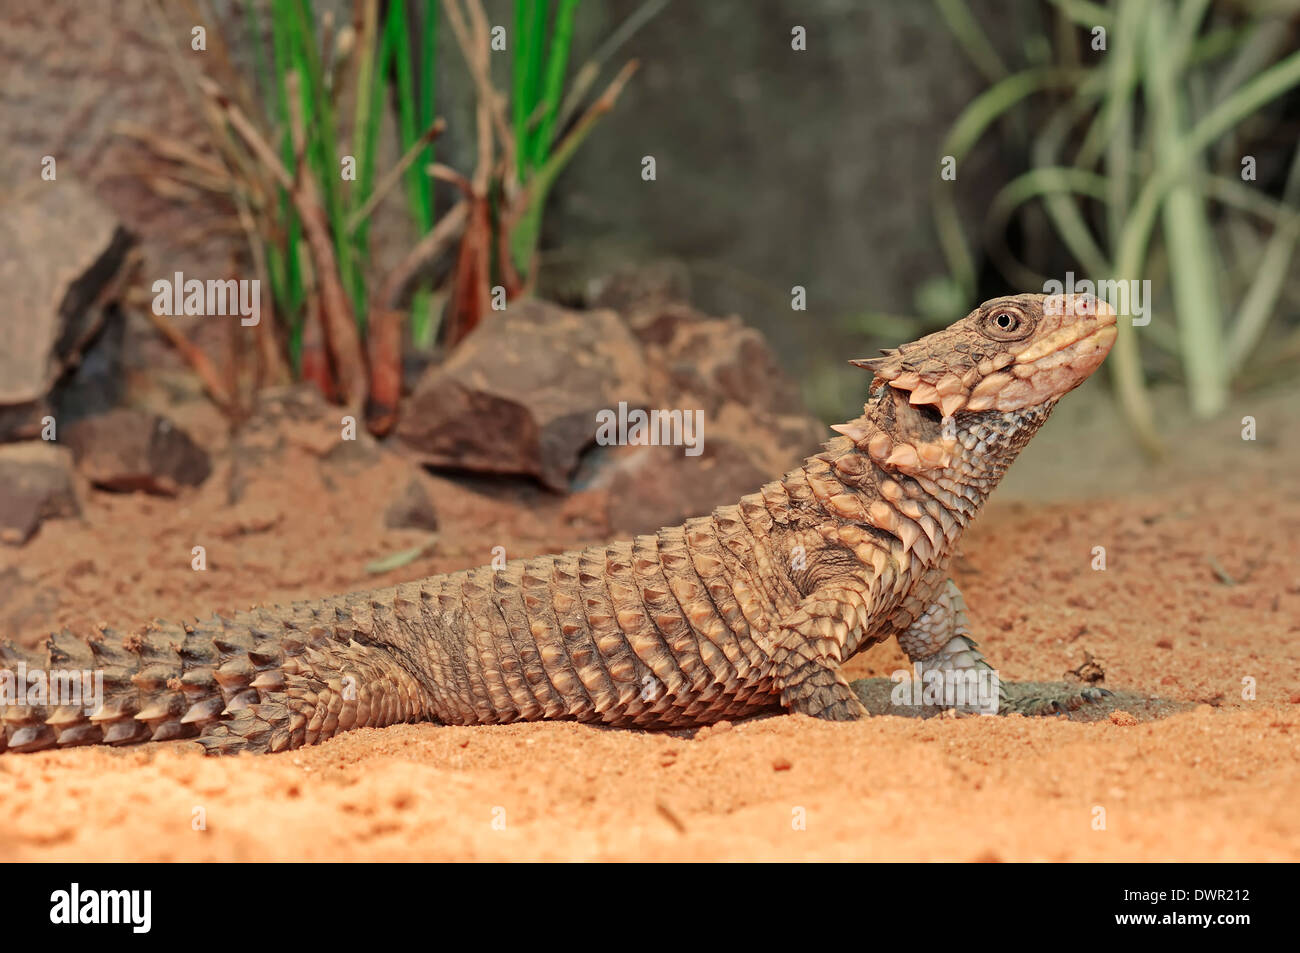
978,115
556,66
526,66
428,64
1192,256
1085,14
1061,209
523,239
1136,233
963,25
419,187
1042,183
1261,298
322,138
292,305
416,180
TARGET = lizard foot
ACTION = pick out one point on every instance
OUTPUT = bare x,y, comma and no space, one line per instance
842,709
1034,699
825,695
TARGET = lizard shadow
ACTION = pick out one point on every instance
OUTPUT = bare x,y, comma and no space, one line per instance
1031,698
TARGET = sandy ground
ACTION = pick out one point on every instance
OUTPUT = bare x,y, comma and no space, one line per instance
1200,592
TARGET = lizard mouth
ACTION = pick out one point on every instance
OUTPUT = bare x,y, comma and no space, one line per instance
1085,330
1075,336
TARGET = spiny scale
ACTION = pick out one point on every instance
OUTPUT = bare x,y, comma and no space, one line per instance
674,629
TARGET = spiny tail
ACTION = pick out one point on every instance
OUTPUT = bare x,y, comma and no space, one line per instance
267,680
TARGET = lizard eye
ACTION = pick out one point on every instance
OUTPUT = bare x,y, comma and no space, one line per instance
1006,324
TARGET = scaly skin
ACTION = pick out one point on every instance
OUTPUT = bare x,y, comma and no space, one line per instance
749,609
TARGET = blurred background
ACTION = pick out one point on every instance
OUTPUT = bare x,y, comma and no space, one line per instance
794,144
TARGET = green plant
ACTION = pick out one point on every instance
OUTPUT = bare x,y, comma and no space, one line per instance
1137,170
537,85
304,192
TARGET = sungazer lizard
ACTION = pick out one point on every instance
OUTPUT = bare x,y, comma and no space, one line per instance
714,614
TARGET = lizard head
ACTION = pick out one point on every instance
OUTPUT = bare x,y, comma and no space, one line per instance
1008,354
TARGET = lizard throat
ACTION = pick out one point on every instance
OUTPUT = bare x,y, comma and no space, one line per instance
911,474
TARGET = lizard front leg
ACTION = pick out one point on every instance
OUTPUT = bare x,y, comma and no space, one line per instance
940,641
809,648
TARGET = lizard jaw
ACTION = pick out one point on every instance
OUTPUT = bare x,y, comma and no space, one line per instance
1072,336
1065,357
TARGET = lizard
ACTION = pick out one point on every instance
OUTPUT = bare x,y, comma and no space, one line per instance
751,609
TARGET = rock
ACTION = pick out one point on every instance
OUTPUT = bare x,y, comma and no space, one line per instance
96,381
413,508
129,450
659,325
520,394
727,361
753,427
37,482
60,251
650,487
642,287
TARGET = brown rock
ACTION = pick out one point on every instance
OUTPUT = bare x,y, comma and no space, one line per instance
59,250
520,395
36,483
643,288
659,325
129,450
650,487
726,359
413,509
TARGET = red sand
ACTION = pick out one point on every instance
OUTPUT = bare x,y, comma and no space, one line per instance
1215,782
